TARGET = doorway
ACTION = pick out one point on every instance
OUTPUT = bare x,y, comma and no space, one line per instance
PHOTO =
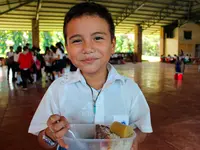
197,50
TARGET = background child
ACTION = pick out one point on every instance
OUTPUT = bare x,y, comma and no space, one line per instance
48,67
25,62
178,65
34,67
57,60
17,69
10,63
95,93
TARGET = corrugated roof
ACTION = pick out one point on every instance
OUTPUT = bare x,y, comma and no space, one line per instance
151,14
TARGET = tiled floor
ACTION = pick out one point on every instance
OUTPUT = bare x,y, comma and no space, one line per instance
175,108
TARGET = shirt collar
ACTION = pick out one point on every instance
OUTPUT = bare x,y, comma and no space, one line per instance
113,76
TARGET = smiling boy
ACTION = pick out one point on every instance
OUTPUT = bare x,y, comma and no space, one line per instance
95,93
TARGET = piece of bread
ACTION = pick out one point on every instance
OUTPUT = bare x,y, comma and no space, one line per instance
121,130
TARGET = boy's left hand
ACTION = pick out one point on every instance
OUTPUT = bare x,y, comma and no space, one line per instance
139,139
134,145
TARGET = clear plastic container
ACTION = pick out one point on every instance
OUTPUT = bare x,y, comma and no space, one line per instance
84,140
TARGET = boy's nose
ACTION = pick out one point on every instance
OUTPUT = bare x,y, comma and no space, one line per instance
87,48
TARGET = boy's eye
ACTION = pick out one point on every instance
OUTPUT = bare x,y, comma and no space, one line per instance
98,38
76,41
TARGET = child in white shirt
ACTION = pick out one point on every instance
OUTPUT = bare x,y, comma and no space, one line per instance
95,93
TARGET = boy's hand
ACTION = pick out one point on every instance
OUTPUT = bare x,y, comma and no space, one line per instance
134,145
57,127
139,139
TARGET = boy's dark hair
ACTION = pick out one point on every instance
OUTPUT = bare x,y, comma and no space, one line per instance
91,9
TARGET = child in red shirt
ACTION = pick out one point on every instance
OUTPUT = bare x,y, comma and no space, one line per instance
25,62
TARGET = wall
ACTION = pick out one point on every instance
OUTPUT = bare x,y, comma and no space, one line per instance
171,44
188,46
171,47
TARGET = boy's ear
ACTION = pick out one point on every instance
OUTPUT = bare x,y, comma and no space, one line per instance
113,42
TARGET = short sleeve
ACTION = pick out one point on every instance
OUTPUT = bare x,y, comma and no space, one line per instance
58,52
46,108
140,114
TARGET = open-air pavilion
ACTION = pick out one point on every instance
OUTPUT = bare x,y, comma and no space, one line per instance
174,104
130,16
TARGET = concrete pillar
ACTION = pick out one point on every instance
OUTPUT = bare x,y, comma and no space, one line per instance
138,43
162,41
35,33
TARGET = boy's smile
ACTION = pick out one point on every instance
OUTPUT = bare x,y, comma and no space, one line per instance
89,43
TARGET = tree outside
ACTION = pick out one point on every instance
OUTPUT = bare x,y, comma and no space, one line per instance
46,39
3,37
13,38
124,42
150,45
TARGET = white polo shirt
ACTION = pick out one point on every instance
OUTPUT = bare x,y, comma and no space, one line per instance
59,53
10,54
120,100
16,57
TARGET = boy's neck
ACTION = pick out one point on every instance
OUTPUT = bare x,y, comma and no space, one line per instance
96,80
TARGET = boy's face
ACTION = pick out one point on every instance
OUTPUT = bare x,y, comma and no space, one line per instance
89,43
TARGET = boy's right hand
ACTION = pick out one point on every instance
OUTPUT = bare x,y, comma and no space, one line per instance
57,127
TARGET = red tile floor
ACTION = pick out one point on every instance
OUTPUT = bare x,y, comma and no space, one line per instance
175,108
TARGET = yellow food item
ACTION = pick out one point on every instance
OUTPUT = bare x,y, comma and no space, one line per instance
121,130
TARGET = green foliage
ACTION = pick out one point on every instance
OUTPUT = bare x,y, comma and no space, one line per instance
45,40
150,45
17,38
14,38
124,43
3,46
58,37
29,40
23,37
